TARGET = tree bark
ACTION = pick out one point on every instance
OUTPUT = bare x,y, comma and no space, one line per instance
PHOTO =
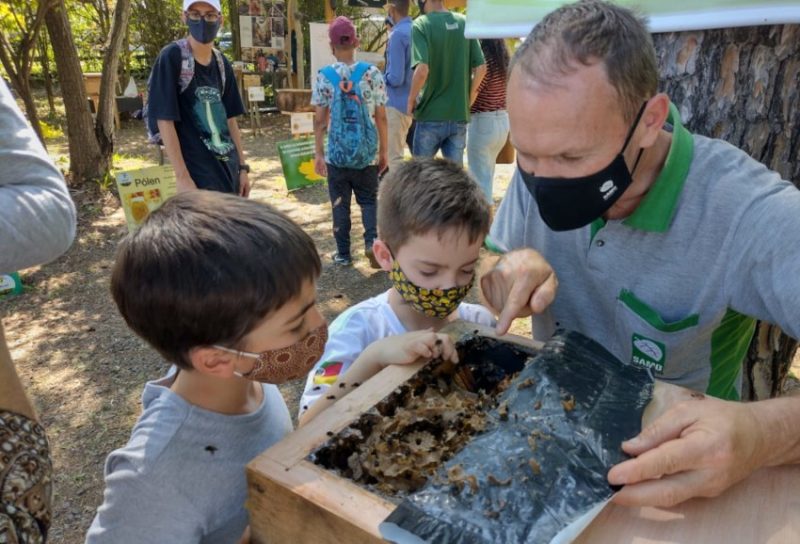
86,160
742,85
105,112
44,60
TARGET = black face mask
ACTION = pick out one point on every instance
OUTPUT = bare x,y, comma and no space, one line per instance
571,203
202,30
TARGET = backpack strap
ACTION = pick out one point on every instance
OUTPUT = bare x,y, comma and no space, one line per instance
331,75
221,66
187,64
358,71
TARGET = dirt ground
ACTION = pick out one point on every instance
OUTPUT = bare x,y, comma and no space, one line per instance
85,370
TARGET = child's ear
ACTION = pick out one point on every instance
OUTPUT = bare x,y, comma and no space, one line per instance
212,361
382,254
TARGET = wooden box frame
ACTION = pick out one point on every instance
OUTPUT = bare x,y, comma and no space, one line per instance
291,499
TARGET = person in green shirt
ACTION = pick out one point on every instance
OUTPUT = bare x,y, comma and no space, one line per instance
448,69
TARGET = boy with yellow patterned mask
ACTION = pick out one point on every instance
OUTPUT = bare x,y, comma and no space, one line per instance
432,220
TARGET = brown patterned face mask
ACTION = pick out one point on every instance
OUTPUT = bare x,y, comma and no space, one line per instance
278,366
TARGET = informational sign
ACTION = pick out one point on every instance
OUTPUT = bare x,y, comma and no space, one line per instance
262,24
302,123
515,18
321,54
144,190
297,161
10,284
255,94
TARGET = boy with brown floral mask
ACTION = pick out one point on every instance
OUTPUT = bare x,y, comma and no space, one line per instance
224,289
432,220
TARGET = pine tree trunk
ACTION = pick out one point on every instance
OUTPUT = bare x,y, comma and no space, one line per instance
742,85
86,160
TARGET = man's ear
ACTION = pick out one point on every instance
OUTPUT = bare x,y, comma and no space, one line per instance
213,361
653,118
382,254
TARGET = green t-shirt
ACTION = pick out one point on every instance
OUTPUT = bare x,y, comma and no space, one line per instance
438,41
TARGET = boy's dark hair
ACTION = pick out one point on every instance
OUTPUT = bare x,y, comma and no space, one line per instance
206,268
425,194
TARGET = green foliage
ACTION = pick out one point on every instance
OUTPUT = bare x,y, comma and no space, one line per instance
50,132
155,23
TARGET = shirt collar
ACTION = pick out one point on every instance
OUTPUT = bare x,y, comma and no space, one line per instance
656,210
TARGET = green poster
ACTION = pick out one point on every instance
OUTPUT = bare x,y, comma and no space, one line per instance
515,18
297,161
10,284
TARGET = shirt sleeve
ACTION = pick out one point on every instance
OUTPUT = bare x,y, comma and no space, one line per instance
37,221
378,85
137,508
349,335
475,54
396,61
508,228
322,92
231,98
419,45
162,89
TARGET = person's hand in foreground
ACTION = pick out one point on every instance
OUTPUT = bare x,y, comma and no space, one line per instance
700,447
520,284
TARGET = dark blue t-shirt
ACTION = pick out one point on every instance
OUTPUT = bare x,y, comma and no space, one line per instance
201,114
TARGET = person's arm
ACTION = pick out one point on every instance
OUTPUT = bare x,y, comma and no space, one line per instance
400,349
37,216
701,447
395,62
383,138
417,83
478,73
172,147
236,136
320,126
12,394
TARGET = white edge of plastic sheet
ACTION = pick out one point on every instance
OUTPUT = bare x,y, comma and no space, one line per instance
696,20
398,535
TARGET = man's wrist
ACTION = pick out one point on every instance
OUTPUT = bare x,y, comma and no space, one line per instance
244,167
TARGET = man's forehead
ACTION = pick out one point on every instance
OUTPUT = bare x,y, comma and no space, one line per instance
201,6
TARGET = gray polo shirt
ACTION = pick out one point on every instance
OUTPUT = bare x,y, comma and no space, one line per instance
675,286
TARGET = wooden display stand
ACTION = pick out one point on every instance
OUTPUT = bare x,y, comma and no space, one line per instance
91,82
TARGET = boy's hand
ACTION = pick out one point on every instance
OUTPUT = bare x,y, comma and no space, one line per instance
320,167
383,162
244,184
404,349
185,183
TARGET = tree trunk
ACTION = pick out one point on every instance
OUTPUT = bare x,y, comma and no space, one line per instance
741,85
22,86
105,112
86,160
44,60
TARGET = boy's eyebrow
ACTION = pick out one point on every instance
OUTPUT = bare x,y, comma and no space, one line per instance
302,311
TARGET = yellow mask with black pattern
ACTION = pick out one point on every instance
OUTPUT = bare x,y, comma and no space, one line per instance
431,302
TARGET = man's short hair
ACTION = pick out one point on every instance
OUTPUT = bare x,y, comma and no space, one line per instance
426,194
402,6
588,31
206,268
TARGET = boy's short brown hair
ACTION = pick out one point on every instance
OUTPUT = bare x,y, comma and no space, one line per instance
206,268
425,194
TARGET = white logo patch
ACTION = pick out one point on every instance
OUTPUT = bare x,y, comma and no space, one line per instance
608,189
649,348
451,26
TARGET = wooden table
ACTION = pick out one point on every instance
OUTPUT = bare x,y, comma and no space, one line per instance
764,508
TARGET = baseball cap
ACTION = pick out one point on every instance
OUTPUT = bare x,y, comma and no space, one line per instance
213,3
342,31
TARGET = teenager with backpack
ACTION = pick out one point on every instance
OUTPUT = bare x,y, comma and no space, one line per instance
193,102
350,99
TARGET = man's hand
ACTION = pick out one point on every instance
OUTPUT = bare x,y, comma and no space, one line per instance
403,349
319,166
185,183
383,162
244,184
697,448
521,283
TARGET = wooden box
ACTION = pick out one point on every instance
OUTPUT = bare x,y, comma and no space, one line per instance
291,499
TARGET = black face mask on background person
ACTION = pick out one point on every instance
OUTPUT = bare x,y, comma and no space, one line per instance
571,203
203,31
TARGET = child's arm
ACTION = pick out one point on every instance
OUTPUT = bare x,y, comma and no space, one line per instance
400,349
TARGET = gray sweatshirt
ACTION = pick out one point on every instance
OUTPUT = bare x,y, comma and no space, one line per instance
37,217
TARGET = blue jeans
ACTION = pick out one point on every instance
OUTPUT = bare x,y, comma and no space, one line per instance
486,136
449,136
342,183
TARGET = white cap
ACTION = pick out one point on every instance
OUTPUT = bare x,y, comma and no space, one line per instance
213,3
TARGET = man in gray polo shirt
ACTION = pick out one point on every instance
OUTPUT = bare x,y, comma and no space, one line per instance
667,245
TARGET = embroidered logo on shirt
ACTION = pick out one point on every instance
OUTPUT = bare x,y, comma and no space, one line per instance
648,353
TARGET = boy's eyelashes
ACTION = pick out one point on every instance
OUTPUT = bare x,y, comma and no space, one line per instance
430,274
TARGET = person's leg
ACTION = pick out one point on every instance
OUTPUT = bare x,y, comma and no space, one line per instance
398,123
428,136
340,191
365,187
486,136
454,143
